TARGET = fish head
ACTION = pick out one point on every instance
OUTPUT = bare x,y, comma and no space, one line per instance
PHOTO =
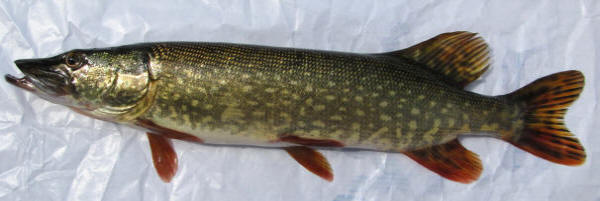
104,83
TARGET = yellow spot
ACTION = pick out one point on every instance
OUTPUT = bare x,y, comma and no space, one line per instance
186,118
208,106
285,91
412,125
195,103
451,122
383,104
392,93
295,96
246,88
301,124
444,111
385,117
176,96
270,104
358,99
343,109
361,88
344,99
346,90
270,90
336,117
421,97
487,127
231,113
207,119
360,113
258,113
319,107
398,132
403,100
415,111
308,88
302,111
378,133
432,104
434,129
329,97
309,101
318,123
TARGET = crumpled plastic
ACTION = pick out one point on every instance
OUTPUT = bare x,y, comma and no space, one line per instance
48,152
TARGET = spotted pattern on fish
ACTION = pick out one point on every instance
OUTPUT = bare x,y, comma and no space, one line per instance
262,93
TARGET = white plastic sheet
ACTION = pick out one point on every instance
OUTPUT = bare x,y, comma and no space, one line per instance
50,153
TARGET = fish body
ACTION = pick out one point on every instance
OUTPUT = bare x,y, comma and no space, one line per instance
227,93
410,101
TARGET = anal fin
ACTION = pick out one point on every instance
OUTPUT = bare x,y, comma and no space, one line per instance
164,156
450,160
312,160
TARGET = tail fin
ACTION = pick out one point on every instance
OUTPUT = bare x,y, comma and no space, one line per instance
545,102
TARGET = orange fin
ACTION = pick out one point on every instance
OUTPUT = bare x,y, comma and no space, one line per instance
163,156
310,142
460,57
450,160
167,132
312,160
545,103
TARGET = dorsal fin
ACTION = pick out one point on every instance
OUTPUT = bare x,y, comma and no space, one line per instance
460,57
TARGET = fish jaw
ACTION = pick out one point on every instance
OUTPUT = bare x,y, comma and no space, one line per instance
23,83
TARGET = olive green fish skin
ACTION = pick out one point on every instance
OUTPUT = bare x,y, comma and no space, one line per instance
241,94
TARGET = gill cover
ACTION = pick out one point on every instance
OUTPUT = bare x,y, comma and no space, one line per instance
113,83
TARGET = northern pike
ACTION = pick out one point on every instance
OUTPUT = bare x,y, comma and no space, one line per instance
410,101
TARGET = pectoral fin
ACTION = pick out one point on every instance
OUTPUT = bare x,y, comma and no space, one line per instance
163,156
450,160
312,160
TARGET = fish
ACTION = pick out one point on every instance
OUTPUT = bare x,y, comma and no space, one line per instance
410,101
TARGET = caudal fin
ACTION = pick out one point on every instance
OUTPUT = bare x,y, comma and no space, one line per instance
545,102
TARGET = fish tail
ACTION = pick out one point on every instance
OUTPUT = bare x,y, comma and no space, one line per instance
545,102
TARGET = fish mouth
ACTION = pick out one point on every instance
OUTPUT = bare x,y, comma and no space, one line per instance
23,83
42,76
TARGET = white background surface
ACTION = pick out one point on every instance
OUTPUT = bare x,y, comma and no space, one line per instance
50,153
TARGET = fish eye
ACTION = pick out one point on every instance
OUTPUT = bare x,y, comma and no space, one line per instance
73,60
